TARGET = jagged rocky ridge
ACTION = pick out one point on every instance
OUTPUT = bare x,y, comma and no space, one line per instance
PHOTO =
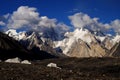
115,50
79,43
10,48
82,43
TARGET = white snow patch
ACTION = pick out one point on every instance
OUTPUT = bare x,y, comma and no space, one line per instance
13,60
43,39
82,34
21,35
13,33
53,65
101,38
66,44
25,62
116,39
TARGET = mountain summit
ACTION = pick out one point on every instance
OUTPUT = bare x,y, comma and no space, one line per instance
79,43
10,48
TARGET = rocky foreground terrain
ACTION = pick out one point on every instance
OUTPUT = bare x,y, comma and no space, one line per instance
69,69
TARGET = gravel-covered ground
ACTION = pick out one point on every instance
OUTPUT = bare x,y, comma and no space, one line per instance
71,69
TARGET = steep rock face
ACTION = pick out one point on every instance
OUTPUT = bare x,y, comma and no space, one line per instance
81,43
114,44
71,37
10,48
116,39
115,50
108,43
79,49
35,42
82,49
32,39
8,43
98,50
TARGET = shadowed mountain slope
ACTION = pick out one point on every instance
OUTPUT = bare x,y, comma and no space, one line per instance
10,48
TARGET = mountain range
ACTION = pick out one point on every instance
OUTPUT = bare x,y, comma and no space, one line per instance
77,43
11,48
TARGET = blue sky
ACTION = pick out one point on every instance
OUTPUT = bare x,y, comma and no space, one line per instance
106,10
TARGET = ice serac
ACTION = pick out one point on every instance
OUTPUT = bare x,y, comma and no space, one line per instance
81,43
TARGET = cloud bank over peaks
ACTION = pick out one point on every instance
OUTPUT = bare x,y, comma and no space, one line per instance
81,20
46,22
28,18
116,25
24,16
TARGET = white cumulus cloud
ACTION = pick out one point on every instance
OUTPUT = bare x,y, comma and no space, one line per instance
81,20
46,22
29,17
115,25
24,16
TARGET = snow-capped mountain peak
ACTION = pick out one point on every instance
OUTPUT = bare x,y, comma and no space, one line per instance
116,38
82,34
80,42
11,32
16,35
71,37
